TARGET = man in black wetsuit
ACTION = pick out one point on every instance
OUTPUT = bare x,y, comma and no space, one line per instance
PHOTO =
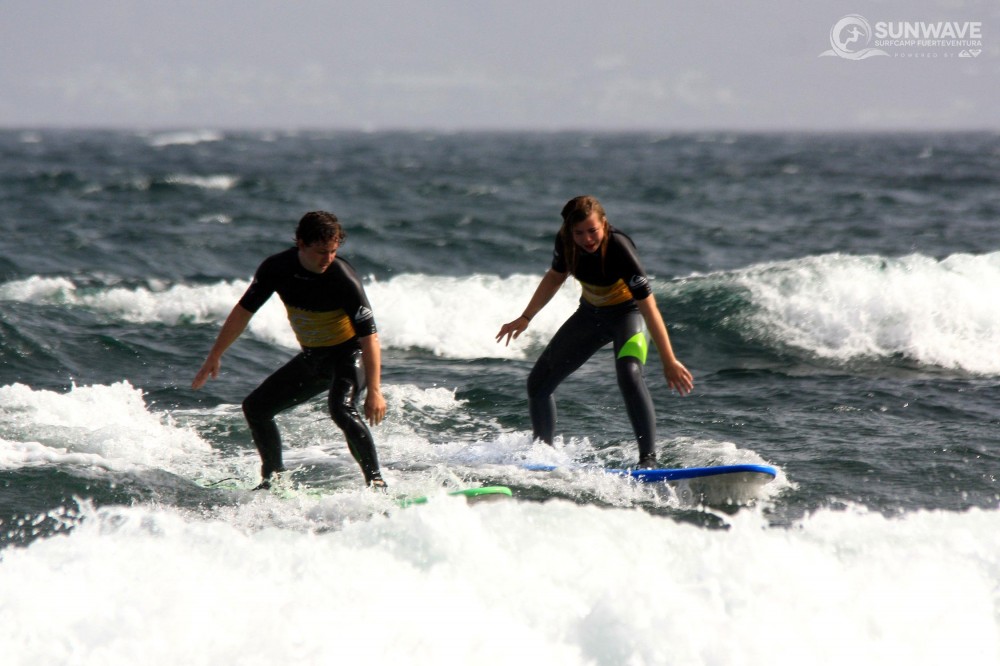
616,301
333,322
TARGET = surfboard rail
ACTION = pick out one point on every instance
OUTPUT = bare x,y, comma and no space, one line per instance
481,492
671,474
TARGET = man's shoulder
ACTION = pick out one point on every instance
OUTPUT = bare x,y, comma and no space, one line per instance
343,263
287,255
283,258
340,268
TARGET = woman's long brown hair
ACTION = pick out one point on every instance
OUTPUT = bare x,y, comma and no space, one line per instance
575,211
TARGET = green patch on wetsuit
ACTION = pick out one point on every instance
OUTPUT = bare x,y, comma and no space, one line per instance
636,346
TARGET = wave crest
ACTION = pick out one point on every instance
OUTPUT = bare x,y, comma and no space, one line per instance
838,308
935,312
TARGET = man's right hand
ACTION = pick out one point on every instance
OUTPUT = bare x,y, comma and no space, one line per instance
210,368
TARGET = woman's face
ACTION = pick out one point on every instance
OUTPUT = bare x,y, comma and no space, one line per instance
589,233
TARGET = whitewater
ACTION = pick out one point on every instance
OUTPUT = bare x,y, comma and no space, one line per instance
833,295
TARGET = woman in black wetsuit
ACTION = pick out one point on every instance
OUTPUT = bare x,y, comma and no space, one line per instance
615,302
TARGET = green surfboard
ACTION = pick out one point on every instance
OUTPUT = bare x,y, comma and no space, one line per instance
485,492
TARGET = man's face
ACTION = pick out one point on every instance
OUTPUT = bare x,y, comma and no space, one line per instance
317,257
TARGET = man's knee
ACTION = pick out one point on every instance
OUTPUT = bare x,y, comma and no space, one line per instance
255,411
343,415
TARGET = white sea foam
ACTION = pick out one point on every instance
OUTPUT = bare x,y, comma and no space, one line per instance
523,582
17,454
184,138
935,312
349,575
216,182
97,426
38,289
218,218
112,429
452,317
502,456
940,313
459,317
155,303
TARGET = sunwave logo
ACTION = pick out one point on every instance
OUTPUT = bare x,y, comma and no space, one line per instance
850,38
854,38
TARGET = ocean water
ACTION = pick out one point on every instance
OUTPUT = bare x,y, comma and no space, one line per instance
837,298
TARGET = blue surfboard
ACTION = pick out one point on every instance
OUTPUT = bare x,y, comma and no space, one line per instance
717,485
763,473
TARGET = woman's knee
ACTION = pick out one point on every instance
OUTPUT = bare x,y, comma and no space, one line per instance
630,375
538,383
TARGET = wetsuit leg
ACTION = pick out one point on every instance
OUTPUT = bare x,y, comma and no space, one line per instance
348,380
290,385
632,384
577,340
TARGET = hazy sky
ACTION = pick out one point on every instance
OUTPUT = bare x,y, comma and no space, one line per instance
469,64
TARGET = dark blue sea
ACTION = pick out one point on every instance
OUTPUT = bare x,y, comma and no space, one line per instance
836,296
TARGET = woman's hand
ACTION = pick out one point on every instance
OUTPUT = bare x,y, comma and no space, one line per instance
678,377
513,329
544,292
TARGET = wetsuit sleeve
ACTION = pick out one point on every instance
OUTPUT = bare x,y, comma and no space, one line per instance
356,303
631,268
260,289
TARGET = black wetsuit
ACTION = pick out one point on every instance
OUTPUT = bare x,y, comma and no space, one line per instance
607,313
327,312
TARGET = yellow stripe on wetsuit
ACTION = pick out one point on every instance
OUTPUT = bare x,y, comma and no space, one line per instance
604,296
320,329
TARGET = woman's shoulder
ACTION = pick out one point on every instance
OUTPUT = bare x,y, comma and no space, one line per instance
620,239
